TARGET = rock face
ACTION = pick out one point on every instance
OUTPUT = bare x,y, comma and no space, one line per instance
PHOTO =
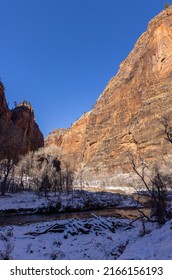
126,117
18,131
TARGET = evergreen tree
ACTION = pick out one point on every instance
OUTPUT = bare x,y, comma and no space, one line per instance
166,5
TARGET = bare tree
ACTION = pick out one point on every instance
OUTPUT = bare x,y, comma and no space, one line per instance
9,157
156,185
6,166
67,176
167,127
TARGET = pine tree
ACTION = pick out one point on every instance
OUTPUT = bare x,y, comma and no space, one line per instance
166,5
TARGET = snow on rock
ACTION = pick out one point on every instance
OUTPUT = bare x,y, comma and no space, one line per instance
84,239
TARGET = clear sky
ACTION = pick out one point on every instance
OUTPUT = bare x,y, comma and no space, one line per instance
60,54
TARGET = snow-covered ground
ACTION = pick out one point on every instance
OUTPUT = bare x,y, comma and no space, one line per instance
77,201
83,239
95,238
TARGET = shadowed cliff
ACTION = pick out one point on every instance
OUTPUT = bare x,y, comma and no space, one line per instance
19,132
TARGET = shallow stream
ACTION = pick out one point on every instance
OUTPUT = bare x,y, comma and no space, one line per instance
130,213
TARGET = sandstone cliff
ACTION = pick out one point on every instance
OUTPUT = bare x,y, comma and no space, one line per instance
19,132
127,114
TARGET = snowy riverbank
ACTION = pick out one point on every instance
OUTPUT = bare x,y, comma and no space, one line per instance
32,202
85,238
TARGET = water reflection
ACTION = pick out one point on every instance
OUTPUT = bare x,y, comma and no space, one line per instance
111,210
128,213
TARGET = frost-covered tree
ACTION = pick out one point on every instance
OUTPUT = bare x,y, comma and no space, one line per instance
41,170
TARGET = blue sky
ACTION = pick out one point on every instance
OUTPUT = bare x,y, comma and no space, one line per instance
60,54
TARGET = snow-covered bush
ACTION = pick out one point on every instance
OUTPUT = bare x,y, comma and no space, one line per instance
7,245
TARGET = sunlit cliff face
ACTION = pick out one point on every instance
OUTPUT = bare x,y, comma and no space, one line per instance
126,117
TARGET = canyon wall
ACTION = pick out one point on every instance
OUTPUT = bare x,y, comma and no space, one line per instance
127,115
19,132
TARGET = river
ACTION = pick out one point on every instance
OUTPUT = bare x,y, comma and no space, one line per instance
127,212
